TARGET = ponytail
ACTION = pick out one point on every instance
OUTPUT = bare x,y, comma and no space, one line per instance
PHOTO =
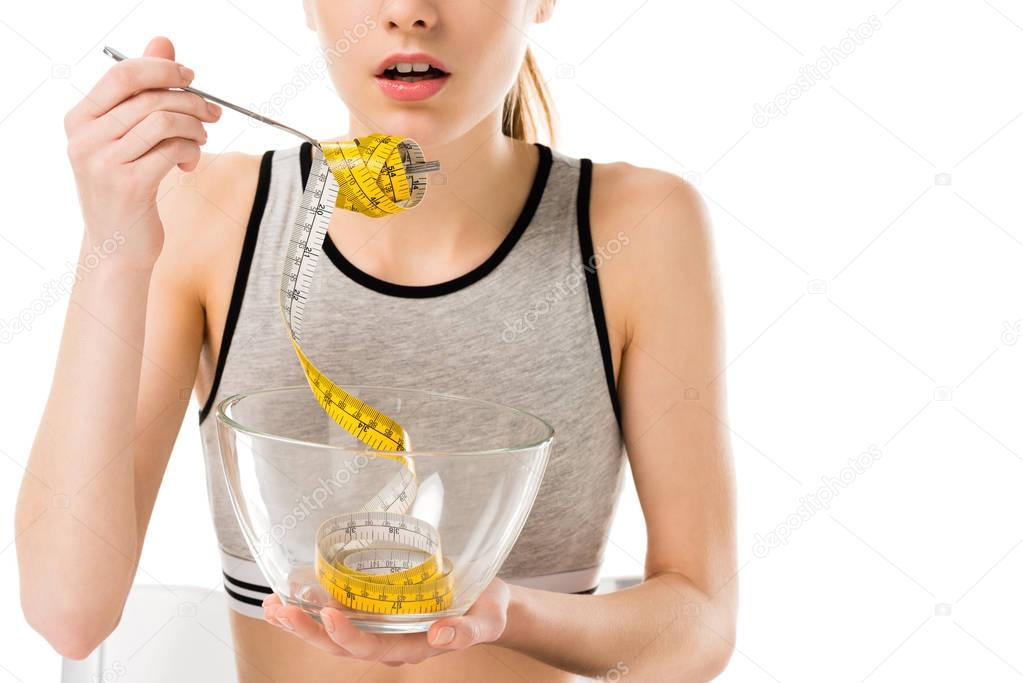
528,106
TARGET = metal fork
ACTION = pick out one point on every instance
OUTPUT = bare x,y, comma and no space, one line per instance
425,167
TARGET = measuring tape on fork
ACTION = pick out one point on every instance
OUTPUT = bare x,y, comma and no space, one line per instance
377,559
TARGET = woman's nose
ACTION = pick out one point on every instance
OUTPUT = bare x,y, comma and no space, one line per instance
408,15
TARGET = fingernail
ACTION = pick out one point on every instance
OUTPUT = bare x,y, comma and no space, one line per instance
444,636
214,109
186,73
328,623
283,621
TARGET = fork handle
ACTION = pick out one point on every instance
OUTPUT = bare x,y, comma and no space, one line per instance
119,56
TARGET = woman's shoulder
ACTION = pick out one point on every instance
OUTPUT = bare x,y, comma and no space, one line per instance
205,213
624,193
660,213
655,230
218,192
224,178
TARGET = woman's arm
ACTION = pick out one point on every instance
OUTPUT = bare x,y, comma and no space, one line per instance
123,378
86,445
131,343
127,358
662,299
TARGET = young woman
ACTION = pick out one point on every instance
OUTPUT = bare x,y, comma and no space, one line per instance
582,292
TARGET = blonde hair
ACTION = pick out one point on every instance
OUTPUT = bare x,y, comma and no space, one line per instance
528,106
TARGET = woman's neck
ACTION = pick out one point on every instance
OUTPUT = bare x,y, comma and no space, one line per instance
469,208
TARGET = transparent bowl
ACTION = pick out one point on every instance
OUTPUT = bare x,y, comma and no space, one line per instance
304,491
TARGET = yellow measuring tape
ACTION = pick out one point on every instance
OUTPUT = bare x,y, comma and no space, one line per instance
377,559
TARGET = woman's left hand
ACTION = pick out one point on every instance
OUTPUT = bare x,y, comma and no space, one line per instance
484,622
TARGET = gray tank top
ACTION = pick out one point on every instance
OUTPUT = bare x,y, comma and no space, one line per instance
528,325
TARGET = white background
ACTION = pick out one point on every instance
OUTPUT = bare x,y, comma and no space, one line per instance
869,242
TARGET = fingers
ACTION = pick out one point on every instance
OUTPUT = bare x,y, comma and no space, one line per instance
298,623
271,601
112,134
393,649
442,634
156,127
338,635
295,620
157,162
160,46
484,622
343,633
128,114
458,633
126,78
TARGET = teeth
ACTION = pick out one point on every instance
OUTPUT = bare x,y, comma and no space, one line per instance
410,67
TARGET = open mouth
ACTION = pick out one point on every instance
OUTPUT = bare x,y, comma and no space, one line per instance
410,72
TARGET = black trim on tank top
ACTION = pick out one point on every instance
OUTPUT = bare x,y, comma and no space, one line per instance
243,598
246,585
525,217
241,277
593,282
305,161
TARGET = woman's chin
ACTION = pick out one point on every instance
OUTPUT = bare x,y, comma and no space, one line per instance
428,128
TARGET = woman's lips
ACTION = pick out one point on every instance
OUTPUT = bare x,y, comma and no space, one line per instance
406,91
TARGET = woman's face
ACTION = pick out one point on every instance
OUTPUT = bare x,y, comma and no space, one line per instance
474,50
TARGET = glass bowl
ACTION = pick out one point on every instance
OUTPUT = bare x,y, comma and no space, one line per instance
395,540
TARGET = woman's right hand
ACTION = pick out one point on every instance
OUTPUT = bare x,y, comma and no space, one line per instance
124,137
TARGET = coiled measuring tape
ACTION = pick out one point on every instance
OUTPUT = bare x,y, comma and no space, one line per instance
378,559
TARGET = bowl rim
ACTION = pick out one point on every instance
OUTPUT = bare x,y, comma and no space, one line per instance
224,419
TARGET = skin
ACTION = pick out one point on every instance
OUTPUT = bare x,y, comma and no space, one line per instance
144,330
